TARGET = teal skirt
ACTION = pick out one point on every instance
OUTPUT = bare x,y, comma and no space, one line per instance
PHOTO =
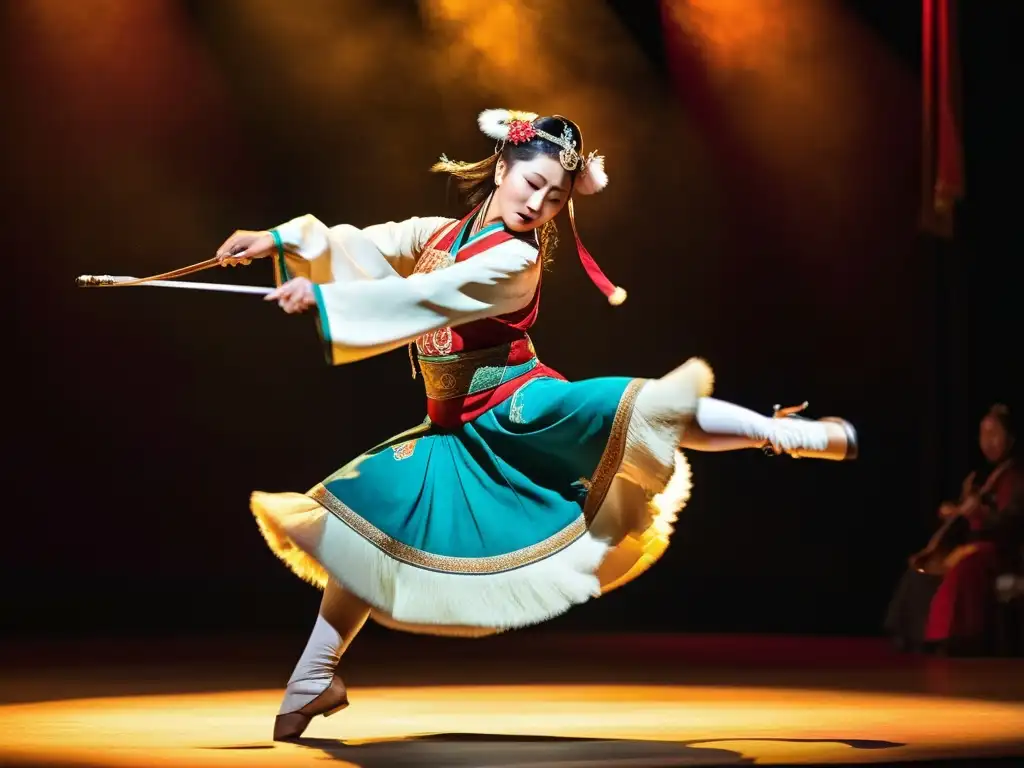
483,526
514,478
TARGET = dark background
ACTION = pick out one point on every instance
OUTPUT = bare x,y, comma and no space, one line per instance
762,213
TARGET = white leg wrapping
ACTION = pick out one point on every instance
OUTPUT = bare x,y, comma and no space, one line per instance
717,417
315,668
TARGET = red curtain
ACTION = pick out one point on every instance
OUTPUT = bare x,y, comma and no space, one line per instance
942,158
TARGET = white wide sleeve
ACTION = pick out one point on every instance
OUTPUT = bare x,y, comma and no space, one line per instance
345,253
360,320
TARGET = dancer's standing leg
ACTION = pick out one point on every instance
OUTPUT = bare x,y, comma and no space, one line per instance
315,687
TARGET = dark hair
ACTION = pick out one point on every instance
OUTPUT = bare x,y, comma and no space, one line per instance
1004,416
475,181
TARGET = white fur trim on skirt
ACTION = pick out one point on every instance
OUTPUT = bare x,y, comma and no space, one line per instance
316,545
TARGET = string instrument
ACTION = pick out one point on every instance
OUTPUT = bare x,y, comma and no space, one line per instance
955,528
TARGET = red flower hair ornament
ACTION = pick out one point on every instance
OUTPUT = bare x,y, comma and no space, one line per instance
520,131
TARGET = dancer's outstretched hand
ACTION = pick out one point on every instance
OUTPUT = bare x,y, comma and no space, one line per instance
294,296
244,246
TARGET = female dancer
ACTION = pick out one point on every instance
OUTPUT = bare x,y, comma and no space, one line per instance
521,494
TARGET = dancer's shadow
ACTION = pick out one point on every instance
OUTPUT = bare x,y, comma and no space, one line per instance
452,750
852,743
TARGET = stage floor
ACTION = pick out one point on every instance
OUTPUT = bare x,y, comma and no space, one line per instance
527,699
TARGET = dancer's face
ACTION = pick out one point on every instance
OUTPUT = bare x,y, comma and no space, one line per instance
994,440
530,192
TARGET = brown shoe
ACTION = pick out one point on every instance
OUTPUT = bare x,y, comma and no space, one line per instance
292,725
842,442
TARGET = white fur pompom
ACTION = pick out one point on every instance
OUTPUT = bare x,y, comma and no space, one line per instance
593,178
494,122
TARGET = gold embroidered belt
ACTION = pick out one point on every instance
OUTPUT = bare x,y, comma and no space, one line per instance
467,373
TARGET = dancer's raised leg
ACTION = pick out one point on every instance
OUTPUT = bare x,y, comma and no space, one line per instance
723,426
708,424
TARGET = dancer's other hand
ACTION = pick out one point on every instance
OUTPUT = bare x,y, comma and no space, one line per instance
244,246
294,296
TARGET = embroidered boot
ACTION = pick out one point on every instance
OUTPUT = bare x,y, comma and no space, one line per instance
830,438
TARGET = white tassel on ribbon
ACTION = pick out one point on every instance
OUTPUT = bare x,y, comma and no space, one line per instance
593,178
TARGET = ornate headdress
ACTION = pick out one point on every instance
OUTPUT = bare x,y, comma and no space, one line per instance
518,127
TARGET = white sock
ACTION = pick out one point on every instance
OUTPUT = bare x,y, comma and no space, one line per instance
315,669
